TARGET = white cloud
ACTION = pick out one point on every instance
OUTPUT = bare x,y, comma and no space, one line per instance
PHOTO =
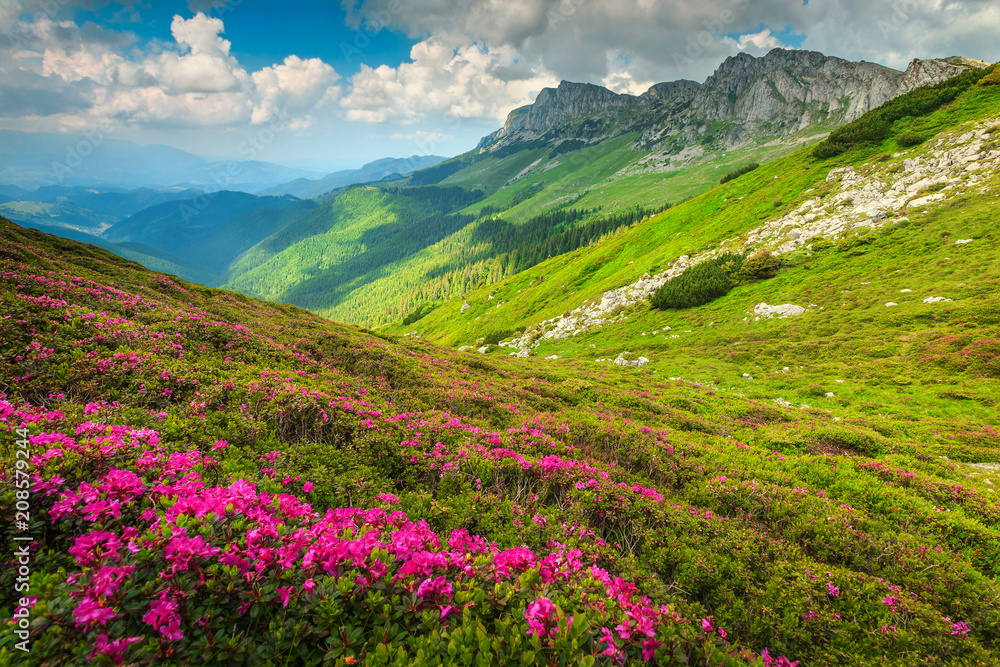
296,86
673,39
757,43
195,81
619,78
473,81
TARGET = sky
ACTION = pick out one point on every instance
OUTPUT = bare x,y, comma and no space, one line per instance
334,84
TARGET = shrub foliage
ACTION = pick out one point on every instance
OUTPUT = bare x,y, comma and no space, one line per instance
746,169
714,278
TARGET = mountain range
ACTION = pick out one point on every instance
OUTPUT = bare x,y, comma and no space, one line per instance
739,409
580,162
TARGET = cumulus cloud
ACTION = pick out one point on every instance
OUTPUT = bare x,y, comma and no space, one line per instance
473,81
296,86
672,39
195,81
756,43
207,67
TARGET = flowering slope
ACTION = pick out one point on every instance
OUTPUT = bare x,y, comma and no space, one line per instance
226,481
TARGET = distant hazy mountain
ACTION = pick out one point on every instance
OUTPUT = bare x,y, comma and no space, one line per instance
56,218
210,230
34,159
373,171
113,202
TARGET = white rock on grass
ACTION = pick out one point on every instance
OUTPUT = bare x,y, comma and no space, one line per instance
936,299
552,357
620,360
891,304
465,307
483,349
963,241
905,291
781,310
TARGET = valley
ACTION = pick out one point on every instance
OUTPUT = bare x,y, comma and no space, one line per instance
703,376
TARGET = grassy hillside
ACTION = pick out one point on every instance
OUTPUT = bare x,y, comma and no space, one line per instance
218,480
374,255
722,217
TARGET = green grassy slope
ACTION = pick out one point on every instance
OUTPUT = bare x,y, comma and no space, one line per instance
346,262
923,353
234,481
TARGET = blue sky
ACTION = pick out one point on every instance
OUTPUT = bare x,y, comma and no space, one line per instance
262,35
428,76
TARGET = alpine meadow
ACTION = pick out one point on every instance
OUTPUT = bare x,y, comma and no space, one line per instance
655,374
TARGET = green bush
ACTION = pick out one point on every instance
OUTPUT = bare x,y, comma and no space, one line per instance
908,139
494,337
991,79
745,169
699,284
760,266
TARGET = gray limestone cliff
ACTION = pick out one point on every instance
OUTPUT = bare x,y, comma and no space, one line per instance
745,99
928,72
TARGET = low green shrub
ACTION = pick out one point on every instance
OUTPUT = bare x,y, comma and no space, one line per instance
908,139
700,283
745,169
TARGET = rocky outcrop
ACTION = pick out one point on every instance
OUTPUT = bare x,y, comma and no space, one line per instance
928,72
776,95
745,99
871,196
787,90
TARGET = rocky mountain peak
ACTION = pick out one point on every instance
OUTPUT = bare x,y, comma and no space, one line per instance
746,98
935,70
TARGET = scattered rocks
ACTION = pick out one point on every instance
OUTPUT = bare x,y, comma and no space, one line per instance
747,376
963,241
891,304
552,357
622,360
484,349
465,307
781,311
869,196
936,299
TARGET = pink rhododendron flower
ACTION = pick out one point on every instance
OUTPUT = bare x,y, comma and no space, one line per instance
113,649
91,610
960,628
538,615
649,647
163,616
